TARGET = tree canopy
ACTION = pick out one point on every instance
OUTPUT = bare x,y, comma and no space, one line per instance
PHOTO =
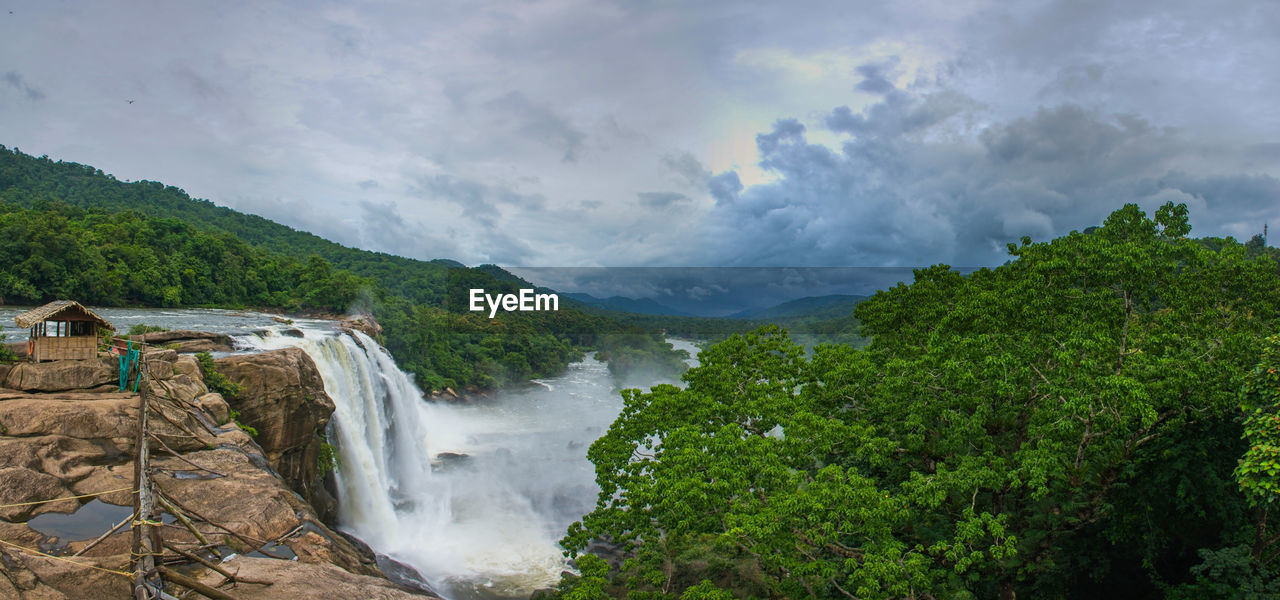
1064,425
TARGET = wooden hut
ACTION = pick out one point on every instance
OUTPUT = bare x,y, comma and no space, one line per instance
62,330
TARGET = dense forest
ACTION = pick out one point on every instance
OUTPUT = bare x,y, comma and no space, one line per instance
1097,417
70,231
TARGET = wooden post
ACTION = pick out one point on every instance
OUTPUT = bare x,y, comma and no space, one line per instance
145,546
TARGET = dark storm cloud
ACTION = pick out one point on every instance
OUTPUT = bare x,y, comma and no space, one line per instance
479,201
661,199
902,190
716,291
384,229
724,187
537,122
17,82
874,79
688,168
1065,135
899,114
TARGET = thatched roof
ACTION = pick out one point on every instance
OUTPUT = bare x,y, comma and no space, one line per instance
60,310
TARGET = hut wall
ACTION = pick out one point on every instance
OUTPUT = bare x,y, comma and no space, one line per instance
66,348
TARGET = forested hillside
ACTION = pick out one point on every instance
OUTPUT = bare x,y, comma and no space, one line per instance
1071,424
70,231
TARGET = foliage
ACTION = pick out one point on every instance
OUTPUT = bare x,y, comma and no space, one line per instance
249,429
106,339
642,357
1229,574
116,259
1013,431
590,584
1259,470
326,459
215,380
143,328
6,354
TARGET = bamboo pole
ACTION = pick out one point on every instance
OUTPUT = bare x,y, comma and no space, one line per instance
180,516
105,535
144,546
194,585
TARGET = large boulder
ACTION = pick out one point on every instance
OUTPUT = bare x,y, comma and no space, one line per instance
189,366
363,322
283,398
186,340
317,581
64,375
78,415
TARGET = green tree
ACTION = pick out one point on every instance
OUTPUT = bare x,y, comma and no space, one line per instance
980,446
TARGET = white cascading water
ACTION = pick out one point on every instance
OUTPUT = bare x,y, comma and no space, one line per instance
510,475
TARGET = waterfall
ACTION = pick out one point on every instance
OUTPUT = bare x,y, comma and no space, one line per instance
482,524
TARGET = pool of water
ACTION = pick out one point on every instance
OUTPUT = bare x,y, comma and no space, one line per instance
91,520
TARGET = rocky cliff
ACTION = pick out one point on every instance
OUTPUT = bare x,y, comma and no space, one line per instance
62,436
283,399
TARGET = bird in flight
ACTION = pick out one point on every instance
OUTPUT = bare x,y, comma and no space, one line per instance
131,102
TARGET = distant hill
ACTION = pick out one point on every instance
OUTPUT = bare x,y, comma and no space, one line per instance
73,231
26,181
816,307
641,306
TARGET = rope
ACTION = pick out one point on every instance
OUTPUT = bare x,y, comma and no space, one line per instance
33,502
65,560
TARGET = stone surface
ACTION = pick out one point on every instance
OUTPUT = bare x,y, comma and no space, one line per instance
189,366
30,577
63,375
160,337
283,398
363,323
313,581
186,340
217,407
57,445
84,416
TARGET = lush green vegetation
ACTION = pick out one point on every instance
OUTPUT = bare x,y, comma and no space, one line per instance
214,379
6,354
74,232
1067,425
143,328
640,358
127,258
824,326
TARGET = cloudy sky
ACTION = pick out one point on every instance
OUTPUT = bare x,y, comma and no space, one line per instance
719,133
